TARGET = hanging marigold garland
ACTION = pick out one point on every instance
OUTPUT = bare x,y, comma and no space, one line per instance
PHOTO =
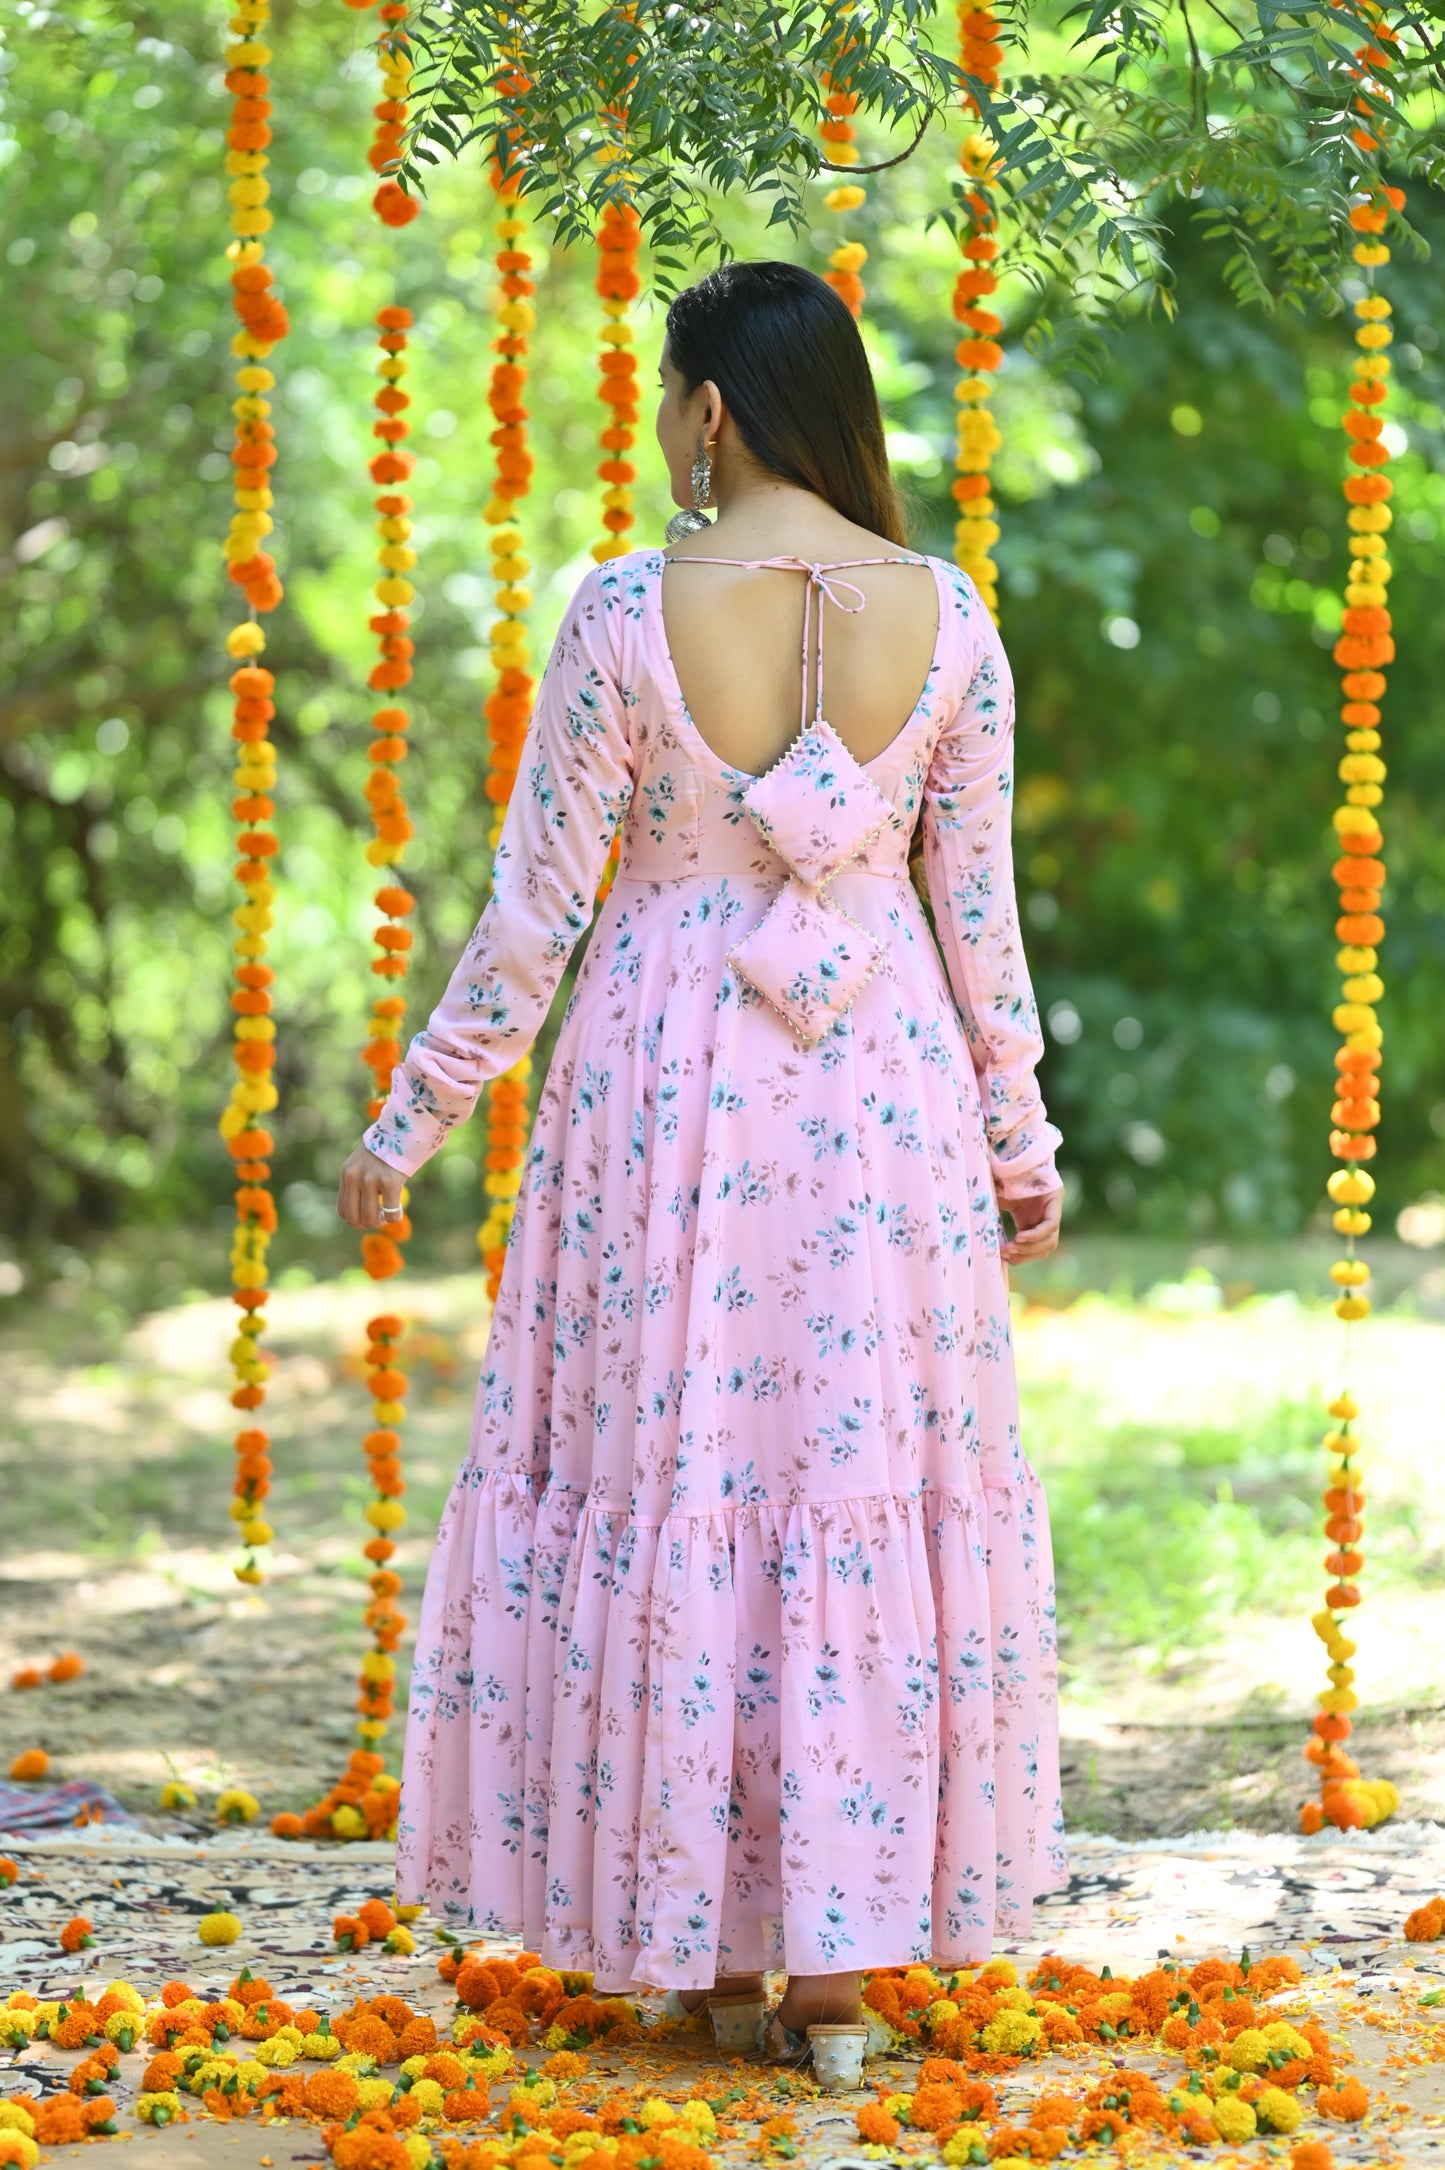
978,352
263,323
618,282
509,705
1365,646
840,147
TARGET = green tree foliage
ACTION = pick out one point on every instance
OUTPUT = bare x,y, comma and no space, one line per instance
1173,833
1111,116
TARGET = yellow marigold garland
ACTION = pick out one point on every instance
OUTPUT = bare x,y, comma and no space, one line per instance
1365,646
509,705
978,352
363,1802
840,147
263,323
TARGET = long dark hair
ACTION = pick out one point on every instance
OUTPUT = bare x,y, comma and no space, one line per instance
783,350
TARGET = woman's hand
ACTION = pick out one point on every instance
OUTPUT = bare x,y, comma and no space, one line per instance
367,1184
1036,1225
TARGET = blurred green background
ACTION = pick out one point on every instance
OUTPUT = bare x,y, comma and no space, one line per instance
1173,563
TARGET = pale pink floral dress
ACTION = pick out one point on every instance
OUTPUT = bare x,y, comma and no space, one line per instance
737,1647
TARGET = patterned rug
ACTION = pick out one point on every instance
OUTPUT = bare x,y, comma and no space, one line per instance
1336,1904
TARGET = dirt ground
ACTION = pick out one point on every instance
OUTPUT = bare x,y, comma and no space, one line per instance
115,1455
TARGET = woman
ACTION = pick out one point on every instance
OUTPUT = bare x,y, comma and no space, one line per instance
737,1646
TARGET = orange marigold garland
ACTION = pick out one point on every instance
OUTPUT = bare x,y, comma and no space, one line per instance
1364,648
619,245
263,323
978,352
509,706
840,148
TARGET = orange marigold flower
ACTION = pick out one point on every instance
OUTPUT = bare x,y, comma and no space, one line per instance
59,2120
78,2028
68,1666
76,1934
1311,2155
350,1932
1348,2102
378,1920
161,2074
367,2036
1427,1922
26,1676
481,1982
30,1764
935,2104
876,2126
331,2094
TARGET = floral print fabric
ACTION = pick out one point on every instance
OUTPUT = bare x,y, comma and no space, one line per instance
737,1647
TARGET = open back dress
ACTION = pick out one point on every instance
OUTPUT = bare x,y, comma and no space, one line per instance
737,1646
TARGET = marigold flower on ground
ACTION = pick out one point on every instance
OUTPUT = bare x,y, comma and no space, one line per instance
1347,2102
160,2108
9,1872
1311,2155
235,1805
175,1793
68,1666
1426,1923
19,2149
876,2126
77,1934
30,1764
1234,2120
218,1928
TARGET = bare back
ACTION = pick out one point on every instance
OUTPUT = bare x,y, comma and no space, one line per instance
735,633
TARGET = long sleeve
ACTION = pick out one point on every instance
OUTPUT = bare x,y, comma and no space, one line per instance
968,802
573,786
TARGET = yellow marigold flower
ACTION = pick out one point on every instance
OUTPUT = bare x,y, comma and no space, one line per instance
219,1928
938,2015
319,2047
698,2118
386,1514
20,2149
1012,2034
412,2069
16,2028
1000,1970
359,2065
956,2151
374,2094
13,2118
655,2111
1019,2000
1249,2051
542,2093
348,1822
1288,2040
175,1793
429,2095
899,2106
418,2149
400,1941
384,1784
1235,2120
577,2145
245,640
161,2109
237,1806
1277,2110
277,2051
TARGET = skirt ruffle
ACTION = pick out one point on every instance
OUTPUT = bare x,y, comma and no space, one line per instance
679,1705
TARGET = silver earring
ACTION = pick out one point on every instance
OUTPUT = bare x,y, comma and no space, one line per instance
683,524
